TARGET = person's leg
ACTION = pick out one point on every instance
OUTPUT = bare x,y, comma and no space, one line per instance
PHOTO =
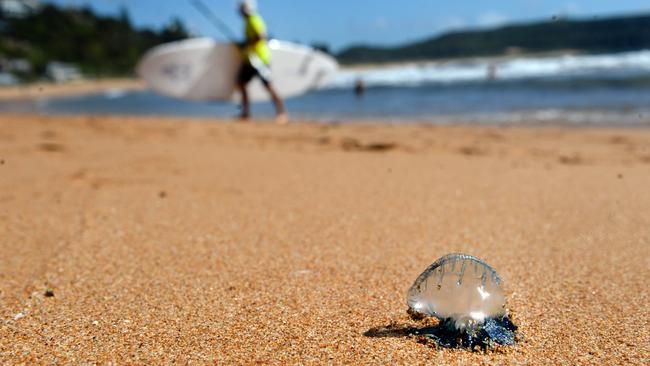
264,74
280,109
277,101
244,77
245,103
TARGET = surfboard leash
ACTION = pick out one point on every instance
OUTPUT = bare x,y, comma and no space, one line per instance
205,10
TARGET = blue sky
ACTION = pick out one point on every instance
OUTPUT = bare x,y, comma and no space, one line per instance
384,22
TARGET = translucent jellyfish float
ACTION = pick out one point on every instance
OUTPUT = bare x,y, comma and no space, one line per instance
465,294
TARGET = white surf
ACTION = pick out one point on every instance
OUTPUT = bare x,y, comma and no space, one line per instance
629,64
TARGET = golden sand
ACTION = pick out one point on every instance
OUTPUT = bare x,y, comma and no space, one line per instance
150,241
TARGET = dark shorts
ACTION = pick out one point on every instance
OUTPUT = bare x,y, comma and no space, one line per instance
247,72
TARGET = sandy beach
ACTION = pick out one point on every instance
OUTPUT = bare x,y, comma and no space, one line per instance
153,240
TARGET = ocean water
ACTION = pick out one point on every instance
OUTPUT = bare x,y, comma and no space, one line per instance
611,90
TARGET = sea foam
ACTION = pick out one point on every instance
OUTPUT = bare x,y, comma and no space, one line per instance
483,70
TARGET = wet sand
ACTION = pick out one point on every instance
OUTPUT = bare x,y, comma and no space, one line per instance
151,241
39,91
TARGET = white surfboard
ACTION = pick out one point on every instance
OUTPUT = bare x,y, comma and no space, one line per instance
201,69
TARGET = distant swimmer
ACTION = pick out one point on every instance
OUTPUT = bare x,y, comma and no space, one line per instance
359,88
492,72
257,60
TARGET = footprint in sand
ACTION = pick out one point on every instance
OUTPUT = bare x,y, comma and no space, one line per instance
79,175
619,140
352,144
51,147
472,151
324,140
49,135
574,159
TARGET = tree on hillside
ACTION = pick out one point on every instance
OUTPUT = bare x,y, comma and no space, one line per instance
100,45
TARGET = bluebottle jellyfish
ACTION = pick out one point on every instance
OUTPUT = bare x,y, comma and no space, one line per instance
465,294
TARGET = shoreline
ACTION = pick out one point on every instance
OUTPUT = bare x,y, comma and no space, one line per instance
40,91
558,123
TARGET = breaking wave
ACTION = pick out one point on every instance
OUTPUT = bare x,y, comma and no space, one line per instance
568,67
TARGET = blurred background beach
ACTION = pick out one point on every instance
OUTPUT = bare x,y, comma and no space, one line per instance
140,229
567,63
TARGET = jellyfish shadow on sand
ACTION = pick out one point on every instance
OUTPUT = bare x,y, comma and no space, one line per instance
491,334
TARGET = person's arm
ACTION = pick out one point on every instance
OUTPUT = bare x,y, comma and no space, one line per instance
253,40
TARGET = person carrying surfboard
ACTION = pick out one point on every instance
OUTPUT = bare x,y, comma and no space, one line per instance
256,60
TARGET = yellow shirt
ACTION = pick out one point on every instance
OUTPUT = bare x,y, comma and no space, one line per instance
254,28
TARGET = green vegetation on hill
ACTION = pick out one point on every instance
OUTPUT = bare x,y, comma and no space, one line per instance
99,45
590,36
